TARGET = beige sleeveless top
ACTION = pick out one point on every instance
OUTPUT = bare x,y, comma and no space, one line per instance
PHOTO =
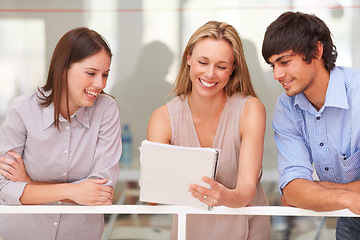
227,139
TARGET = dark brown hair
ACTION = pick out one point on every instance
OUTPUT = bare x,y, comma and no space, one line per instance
74,46
301,33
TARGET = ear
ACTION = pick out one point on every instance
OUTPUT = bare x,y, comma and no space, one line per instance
233,68
188,56
319,52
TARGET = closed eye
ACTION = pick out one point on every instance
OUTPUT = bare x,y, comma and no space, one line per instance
91,74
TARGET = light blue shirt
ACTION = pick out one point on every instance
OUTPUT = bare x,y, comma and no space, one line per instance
328,139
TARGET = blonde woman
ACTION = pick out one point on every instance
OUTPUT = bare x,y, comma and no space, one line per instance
216,106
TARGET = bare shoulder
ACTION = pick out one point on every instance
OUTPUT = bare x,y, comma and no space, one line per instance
159,128
253,115
160,116
254,104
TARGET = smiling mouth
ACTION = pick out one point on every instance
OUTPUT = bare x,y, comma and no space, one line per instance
207,84
91,93
286,83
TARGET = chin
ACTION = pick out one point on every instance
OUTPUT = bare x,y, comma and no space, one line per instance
88,104
292,93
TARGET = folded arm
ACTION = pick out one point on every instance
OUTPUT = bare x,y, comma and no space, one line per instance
88,192
96,188
322,196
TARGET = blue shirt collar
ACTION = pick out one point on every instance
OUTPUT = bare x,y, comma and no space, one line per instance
335,94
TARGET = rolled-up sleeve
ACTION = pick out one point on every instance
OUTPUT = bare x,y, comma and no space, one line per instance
11,192
12,137
294,160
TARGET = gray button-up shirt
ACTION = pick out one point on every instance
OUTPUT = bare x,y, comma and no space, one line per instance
87,147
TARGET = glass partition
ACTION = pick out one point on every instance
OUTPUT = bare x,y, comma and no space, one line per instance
147,39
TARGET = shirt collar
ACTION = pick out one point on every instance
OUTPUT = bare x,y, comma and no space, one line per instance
335,93
82,115
48,115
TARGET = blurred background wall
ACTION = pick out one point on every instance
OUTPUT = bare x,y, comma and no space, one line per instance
147,38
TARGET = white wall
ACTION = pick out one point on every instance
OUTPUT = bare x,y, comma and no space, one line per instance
147,38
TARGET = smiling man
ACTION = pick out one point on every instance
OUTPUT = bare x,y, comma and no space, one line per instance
316,120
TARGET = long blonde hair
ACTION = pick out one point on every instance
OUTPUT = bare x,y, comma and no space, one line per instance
239,81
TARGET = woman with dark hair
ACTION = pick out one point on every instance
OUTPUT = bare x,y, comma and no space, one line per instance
61,144
216,106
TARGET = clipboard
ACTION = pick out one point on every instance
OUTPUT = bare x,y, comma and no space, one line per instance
168,170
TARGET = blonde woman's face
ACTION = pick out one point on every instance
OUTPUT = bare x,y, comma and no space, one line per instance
211,65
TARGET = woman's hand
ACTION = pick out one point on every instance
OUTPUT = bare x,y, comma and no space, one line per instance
215,196
14,169
219,195
92,192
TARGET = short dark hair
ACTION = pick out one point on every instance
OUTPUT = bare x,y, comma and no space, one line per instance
301,33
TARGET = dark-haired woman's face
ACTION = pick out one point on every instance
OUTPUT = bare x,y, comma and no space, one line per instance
86,79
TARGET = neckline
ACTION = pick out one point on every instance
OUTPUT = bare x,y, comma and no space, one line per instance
213,144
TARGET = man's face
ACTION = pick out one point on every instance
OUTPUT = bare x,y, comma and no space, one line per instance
292,72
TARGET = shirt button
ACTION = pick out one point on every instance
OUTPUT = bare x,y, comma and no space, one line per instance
65,151
326,169
64,174
55,223
59,203
321,144
317,118
67,127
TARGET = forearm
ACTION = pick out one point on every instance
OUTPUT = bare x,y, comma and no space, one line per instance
352,186
240,196
314,196
41,193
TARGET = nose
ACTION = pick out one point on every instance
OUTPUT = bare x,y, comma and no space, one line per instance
278,73
210,72
100,82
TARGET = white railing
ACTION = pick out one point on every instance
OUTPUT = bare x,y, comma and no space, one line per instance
181,211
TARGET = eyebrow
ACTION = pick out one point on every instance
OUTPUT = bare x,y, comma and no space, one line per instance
283,56
217,62
95,69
